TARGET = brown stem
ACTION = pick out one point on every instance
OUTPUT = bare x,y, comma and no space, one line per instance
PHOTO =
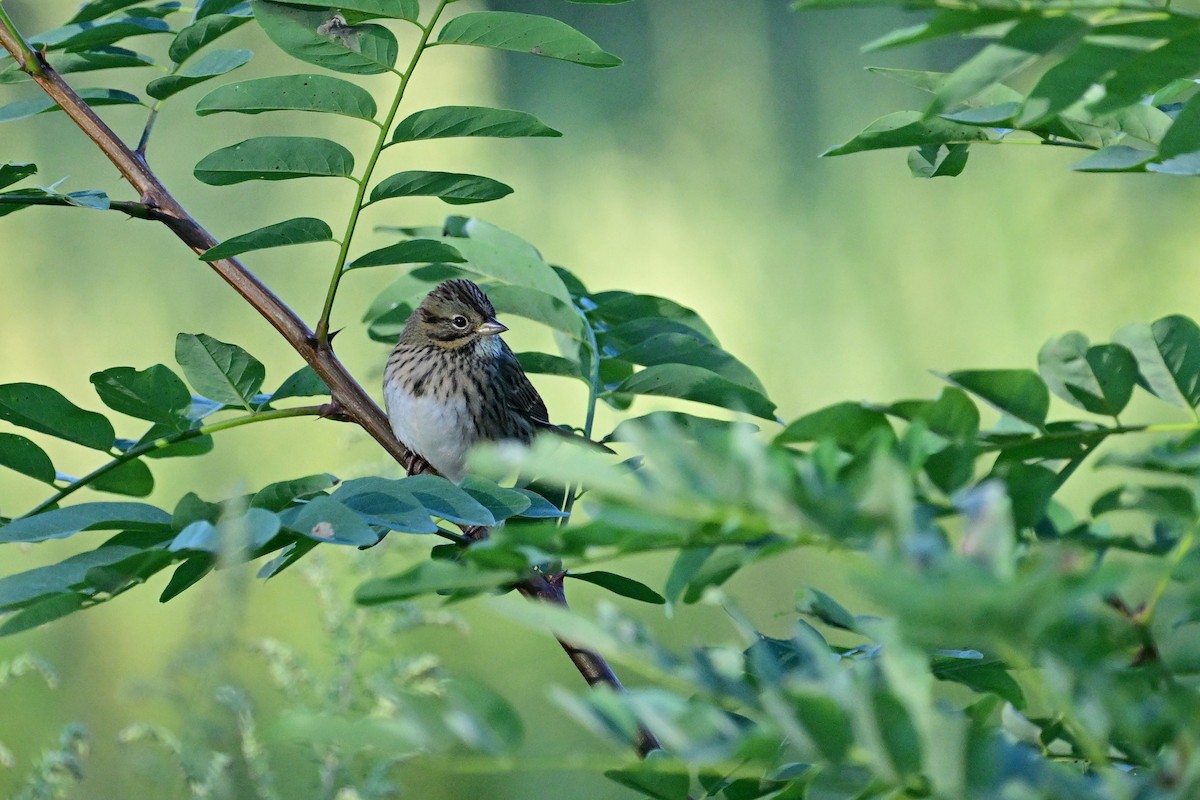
356,403
591,665
351,401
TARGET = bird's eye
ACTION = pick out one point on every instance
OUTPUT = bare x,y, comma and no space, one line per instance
459,322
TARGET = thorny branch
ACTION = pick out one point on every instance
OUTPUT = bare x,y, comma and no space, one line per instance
350,400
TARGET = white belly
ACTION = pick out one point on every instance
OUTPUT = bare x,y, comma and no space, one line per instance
433,428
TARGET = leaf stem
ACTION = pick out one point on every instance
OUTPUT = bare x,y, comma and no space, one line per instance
322,330
30,63
173,439
593,394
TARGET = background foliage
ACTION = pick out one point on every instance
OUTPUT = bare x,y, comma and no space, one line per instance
671,194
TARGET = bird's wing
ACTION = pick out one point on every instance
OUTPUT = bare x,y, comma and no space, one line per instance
522,397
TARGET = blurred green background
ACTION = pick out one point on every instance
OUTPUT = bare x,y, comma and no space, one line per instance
690,172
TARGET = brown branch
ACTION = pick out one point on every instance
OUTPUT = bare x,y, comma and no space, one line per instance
591,665
350,401
354,401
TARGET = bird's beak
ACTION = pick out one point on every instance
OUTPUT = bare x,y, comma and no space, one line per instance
491,328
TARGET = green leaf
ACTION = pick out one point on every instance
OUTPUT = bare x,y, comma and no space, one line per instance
1018,392
187,575
444,499
619,584
12,172
847,424
21,109
19,589
1028,40
828,610
210,65
327,520
99,8
63,522
1098,379
87,35
696,384
449,121
546,364
22,455
1163,502
1067,81
275,158
651,342
394,9
980,675
427,578
1115,158
1168,357
133,478
1183,137
380,501
301,230
525,33
202,33
206,8
501,502
938,160
449,187
319,93
909,129
1145,73
155,394
304,382
47,609
412,251
650,782
546,309
321,37
944,23
40,408
617,307
222,372
278,496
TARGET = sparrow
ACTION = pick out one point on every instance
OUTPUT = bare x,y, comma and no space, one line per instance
452,382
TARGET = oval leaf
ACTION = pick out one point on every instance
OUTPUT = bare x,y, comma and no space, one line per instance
1168,357
619,584
320,93
322,37
133,478
525,33
218,62
155,394
450,187
301,230
22,455
395,9
1098,379
62,522
698,385
845,423
219,371
275,158
1017,392
450,121
41,104
202,32
40,408
413,251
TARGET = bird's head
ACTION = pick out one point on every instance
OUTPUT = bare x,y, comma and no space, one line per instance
455,314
